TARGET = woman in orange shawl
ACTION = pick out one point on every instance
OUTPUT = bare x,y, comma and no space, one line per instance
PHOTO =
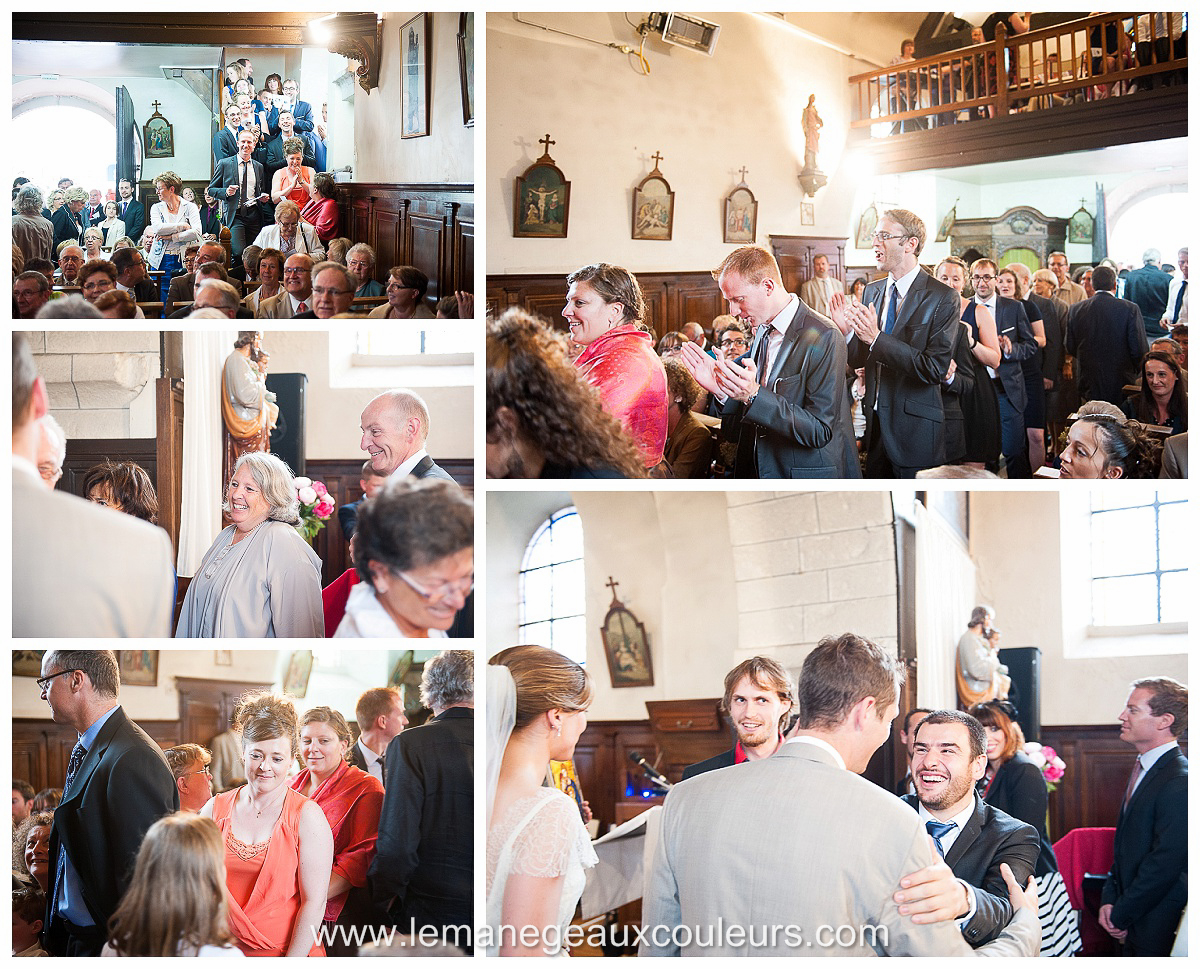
604,305
278,846
352,800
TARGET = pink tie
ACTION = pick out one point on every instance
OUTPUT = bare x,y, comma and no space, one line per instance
303,308
1133,779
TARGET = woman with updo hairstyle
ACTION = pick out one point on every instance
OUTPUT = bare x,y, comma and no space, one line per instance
537,846
604,308
278,844
1012,783
122,486
321,211
1162,399
414,551
295,180
1101,445
689,449
351,800
176,905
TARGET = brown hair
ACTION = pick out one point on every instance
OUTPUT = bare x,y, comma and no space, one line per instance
1177,406
613,284
766,674
752,263
1127,445
976,737
29,904
529,373
412,523
266,716
841,672
545,680
333,718
36,819
911,223
176,901
1167,696
128,485
119,300
993,714
681,384
269,253
410,277
374,704
168,178
94,266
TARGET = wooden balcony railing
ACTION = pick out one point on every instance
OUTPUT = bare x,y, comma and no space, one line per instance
1103,56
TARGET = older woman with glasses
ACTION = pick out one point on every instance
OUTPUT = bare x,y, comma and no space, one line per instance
415,556
289,234
259,579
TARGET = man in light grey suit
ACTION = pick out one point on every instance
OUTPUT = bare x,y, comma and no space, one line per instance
78,569
795,855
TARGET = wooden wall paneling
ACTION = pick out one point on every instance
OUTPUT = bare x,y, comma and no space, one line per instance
206,706
361,227
43,747
795,255
601,762
387,228
425,242
462,251
85,453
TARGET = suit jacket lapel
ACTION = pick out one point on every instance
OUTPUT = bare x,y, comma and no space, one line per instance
421,466
1153,778
791,339
91,759
967,836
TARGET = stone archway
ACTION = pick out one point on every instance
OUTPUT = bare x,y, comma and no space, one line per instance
36,93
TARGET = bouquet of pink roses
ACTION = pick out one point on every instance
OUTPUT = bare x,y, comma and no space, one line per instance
1048,762
316,506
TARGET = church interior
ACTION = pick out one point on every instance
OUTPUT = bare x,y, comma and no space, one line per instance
153,86
706,580
153,398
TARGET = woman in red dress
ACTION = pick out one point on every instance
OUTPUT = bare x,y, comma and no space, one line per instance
604,307
352,800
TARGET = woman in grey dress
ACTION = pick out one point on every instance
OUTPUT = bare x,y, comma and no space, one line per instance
259,578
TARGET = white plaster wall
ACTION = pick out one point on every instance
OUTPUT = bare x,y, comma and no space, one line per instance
1016,539
762,67
448,153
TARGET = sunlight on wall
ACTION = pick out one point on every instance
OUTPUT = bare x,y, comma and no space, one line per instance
1159,222
45,160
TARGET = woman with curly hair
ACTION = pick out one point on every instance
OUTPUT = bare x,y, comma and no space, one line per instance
278,843
1163,397
603,312
543,419
1106,445
689,448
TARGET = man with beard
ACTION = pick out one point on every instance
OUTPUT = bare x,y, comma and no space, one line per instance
760,697
949,756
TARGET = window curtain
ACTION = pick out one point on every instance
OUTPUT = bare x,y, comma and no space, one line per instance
203,490
945,598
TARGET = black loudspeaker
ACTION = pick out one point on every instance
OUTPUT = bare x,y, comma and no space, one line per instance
1025,669
287,440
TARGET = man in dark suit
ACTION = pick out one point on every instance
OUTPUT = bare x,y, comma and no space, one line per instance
1054,319
1146,891
183,287
130,211
240,183
760,699
949,756
130,265
370,482
117,785
395,425
380,716
224,143
1016,344
301,110
907,733
785,402
1108,340
902,334
423,872
1149,288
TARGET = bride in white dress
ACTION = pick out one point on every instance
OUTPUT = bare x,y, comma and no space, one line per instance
537,846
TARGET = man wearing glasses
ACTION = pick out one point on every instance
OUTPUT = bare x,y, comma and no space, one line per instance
902,335
1016,344
117,784
189,764
333,289
296,297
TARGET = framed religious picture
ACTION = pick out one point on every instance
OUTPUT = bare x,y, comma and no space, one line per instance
139,667
1081,227
466,65
295,683
541,199
741,216
947,223
807,214
653,206
866,227
158,136
626,646
414,77
27,662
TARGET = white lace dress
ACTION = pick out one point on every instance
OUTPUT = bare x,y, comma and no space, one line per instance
540,835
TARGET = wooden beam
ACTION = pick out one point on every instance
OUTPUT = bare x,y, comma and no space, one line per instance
228,29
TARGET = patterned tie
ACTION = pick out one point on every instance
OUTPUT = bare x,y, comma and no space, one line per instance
762,351
1179,302
77,754
893,299
1133,779
939,829
303,307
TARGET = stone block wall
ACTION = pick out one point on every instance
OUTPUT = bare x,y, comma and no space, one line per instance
811,565
100,385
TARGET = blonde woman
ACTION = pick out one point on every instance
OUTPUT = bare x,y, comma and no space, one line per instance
174,222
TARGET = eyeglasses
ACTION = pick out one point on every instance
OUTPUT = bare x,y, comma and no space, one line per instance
203,770
462,587
288,225
43,682
982,279
736,341
884,236
297,272
322,291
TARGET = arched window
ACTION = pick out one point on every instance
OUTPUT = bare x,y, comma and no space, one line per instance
551,586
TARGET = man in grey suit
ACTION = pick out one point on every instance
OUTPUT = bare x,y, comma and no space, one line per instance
394,428
949,756
795,855
784,402
64,582
902,335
